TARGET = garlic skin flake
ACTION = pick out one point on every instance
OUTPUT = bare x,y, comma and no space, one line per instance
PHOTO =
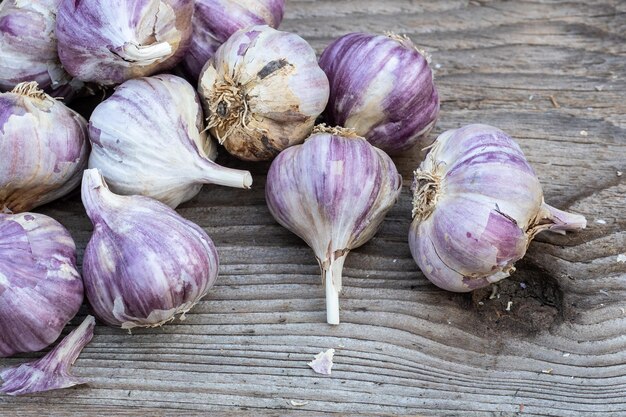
333,191
383,87
53,370
144,263
43,148
28,47
477,206
148,138
262,92
214,21
40,288
110,41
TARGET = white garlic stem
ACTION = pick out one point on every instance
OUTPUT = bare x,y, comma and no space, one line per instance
561,221
228,177
147,54
332,299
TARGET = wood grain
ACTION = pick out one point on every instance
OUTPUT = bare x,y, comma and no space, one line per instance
550,73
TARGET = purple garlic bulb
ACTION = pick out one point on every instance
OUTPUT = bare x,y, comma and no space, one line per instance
382,87
109,42
262,92
477,205
28,47
53,370
333,191
43,148
40,288
144,263
214,21
148,138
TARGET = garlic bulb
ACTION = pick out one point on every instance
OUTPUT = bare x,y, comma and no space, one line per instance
262,92
40,288
214,21
477,205
53,370
382,87
144,263
43,148
333,191
148,138
109,42
28,46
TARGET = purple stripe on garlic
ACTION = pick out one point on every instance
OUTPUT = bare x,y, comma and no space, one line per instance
333,191
43,148
477,206
28,47
262,92
148,138
383,87
109,42
40,288
144,263
214,21
53,370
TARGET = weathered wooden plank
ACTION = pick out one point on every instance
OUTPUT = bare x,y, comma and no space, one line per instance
551,73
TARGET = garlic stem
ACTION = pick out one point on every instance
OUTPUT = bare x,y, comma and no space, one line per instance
93,191
332,299
149,53
562,221
216,174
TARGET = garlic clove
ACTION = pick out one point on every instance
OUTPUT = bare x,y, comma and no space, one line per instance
53,370
333,191
144,263
43,145
148,138
477,206
262,92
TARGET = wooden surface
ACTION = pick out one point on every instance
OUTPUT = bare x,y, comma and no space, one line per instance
552,74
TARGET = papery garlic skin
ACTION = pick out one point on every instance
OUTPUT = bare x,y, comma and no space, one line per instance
214,21
148,138
477,206
144,263
40,288
28,47
262,92
109,42
52,371
334,192
383,87
43,148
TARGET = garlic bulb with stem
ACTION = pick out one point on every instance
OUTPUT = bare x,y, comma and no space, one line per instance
109,42
262,92
333,191
214,21
40,288
477,206
43,148
144,263
53,370
148,138
383,87
28,47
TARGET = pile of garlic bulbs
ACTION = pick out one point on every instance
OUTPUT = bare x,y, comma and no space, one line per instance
182,80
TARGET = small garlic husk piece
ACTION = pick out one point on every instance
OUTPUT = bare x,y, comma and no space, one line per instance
148,138
43,148
262,92
334,192
40,287
53,370
28,47
383,87
110,41
214,21
144,263
477,205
